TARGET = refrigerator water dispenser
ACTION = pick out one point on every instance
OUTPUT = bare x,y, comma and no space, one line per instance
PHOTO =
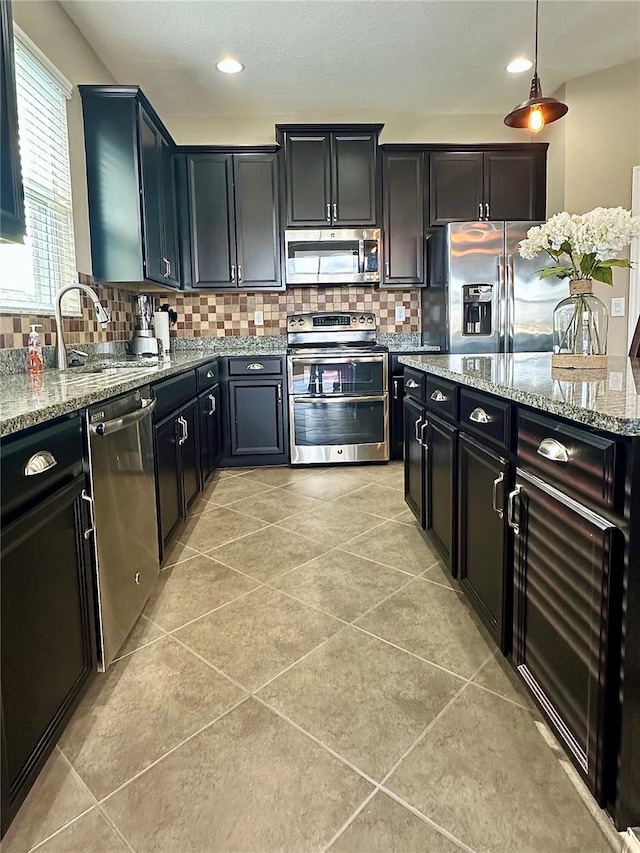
477,300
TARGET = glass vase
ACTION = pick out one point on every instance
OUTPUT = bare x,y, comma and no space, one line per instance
580,325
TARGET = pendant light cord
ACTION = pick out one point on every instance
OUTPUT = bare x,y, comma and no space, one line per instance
535,69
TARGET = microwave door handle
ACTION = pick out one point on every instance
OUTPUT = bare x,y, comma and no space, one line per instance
361,256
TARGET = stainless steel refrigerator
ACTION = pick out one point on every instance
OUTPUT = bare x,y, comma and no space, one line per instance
482,296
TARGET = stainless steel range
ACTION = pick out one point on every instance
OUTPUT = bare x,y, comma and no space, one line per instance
337,380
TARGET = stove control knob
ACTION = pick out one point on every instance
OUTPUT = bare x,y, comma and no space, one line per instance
362,319
369,319
354,319
292,321
301,322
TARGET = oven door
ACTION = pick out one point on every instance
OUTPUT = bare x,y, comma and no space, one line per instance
338,409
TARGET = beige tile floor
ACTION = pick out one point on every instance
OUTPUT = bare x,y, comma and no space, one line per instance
306,676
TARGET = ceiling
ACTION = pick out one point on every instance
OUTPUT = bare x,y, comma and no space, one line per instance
425,57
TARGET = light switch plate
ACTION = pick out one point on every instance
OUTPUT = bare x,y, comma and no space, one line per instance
258,318
401,314
618,306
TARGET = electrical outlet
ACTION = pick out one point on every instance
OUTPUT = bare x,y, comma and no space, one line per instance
258,318
615,381
400,314
618,306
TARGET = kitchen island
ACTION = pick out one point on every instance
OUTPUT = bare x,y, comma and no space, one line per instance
523,477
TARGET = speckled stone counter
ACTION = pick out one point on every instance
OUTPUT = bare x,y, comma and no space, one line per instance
607,399
30,399
404,342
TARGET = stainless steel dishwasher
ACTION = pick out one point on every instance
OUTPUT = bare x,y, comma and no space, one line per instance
124,514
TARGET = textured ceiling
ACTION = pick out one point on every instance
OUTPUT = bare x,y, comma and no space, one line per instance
335,56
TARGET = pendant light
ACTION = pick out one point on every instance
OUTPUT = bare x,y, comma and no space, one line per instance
536,111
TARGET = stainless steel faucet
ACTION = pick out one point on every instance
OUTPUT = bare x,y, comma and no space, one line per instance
102,314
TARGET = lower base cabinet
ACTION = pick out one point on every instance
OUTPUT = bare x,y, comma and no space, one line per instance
48,634
564,558
482,534
210,433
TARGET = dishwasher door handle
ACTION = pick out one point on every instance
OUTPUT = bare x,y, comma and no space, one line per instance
108,427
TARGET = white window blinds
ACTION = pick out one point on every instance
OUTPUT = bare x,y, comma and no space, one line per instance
31,274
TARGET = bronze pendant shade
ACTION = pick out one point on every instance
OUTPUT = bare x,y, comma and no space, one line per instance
536,111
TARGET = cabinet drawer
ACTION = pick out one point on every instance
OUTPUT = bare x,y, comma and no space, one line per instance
570,457
255,366
441,397
52,454
414,383
172,393
485,416
207,375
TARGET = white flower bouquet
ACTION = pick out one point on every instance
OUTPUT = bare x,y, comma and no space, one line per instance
589,242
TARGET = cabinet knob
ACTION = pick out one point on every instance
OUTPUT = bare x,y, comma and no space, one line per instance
210,374
411,383
438,396
40,462
553,450
255,365
479,416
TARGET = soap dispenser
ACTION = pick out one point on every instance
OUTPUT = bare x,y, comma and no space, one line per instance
34,356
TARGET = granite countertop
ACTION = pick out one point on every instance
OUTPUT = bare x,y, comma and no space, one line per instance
608,399
28,399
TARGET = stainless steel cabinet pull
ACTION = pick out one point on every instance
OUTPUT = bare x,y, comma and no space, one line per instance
233,272
418,425
479,416
239,272
185,430
328,212
213,404
438,396
494,499
136,578
411,383
395,389
387,270
511,510
89,500
422,429
255,365
279,392
486,210
553,450
210,374
335,211
479,210
40,462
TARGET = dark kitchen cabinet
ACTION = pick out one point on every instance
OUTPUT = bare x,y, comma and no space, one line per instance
403,203
482,529
440,464
177,452
47,612
130,186
12,222
565,560
414,458
232,216
502,183
330,174
209,414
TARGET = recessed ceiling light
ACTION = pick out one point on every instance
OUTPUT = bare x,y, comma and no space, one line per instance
519,65
231,66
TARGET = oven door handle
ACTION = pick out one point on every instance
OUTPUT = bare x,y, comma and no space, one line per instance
327,360
342,398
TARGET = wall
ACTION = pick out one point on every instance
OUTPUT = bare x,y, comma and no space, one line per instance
602,145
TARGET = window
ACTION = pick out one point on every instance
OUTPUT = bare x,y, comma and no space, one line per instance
33,272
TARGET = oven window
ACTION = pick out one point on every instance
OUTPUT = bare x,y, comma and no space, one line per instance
340,377
339,258
339,422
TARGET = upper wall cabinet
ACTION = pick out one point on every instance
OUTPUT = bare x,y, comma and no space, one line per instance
229,221
403,202
495,183
131,187
12,225
330,174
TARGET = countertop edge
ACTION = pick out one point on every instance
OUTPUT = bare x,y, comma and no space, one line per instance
588,417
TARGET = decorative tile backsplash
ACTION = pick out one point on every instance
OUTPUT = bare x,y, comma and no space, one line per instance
214,314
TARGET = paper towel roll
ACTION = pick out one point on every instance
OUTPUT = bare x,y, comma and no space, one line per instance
161,327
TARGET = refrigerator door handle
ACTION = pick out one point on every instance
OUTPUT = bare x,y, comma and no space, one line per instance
502,303
511,285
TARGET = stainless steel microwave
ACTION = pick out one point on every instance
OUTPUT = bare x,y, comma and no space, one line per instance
332,256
